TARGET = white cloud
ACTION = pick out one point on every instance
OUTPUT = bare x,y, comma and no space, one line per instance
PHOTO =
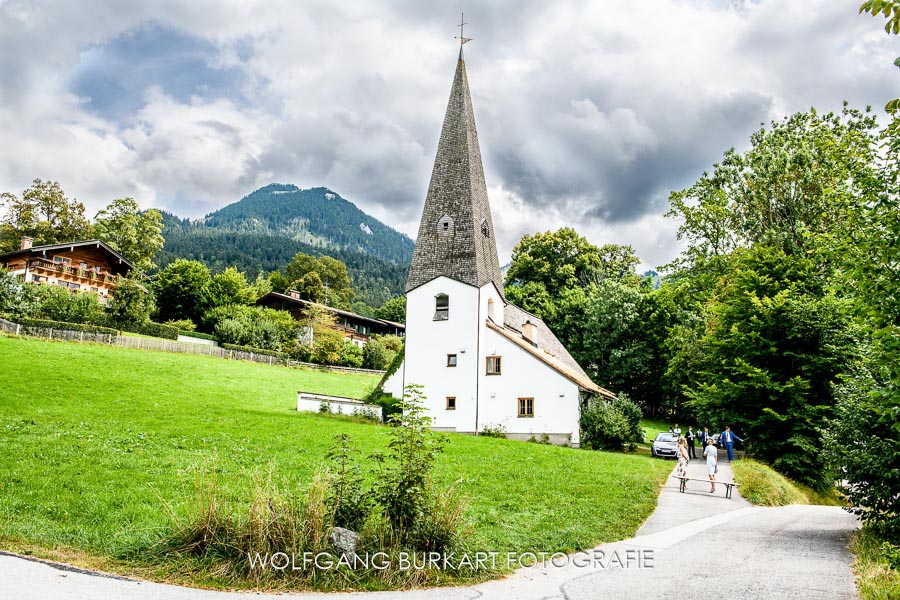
589,112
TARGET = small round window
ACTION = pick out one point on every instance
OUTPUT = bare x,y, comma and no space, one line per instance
445,225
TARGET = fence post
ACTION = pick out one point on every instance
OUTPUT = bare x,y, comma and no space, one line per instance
17,328
50,335
82,337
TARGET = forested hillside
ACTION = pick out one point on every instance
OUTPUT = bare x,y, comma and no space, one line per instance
263,231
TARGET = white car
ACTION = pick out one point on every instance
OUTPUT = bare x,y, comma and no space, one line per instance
665,444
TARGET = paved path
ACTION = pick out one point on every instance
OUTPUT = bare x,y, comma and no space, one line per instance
699,544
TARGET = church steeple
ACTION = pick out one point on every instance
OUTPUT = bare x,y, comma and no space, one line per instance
456,234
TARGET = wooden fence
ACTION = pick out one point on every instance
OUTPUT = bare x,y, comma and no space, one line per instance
161,345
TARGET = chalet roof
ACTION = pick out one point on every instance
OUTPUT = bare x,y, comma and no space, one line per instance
576,375
42,249
456,233
337,311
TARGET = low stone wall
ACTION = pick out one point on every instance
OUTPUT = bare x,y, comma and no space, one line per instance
337,405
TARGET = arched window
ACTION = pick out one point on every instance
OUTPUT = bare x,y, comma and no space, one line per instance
491,309
441,307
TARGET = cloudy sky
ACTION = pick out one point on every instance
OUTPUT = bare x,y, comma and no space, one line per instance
589,113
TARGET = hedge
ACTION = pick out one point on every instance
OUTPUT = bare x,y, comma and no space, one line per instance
155,329
197,334
236,348
63,326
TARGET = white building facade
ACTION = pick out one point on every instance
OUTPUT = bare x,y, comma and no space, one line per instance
483,362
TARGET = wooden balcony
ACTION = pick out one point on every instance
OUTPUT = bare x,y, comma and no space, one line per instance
84,275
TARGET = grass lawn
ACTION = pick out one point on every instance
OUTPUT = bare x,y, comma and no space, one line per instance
98,442
763,486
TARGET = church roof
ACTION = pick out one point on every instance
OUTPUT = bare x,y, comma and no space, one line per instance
456,234
576,374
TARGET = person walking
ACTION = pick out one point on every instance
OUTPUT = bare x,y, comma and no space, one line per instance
691,438
727,438
683,458
712,463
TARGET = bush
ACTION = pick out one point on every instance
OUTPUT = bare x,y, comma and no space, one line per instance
376,354
63,326
606,426
154,329
494,431
182,324
351,355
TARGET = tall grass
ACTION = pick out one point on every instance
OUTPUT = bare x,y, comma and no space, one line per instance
763,486
876,578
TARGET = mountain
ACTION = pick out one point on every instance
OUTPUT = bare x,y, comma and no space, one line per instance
264,230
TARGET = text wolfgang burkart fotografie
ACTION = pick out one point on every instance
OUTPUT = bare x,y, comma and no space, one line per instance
470,561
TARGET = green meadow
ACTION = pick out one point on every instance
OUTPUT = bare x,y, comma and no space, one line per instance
100,446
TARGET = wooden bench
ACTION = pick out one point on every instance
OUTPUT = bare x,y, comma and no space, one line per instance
683,484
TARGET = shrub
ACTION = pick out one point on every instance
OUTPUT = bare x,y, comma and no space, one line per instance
182,324
130,304
604,426
377,355
63,326
155,330
351,355
494,431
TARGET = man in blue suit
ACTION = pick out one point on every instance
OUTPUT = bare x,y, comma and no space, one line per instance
727,438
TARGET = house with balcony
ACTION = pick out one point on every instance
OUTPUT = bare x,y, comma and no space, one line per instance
90,265
355,328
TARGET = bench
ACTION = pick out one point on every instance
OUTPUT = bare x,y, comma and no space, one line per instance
728,486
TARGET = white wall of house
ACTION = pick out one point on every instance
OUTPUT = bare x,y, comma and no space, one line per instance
428,342
556,398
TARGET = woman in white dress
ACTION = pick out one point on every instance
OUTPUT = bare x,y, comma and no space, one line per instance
712,458
683,458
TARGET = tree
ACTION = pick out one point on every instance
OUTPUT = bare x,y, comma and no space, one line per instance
137,235
332,274
393,310
310,287
545,265
130,304
229,287
774,346
44,214
788,191
891,11
181,290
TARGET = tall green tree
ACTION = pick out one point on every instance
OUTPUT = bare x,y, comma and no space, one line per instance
229,287
393,310
137,235
131,303
181,290
332,274
43,213
774,346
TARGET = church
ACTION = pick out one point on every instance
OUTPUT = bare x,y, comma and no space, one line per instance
482,361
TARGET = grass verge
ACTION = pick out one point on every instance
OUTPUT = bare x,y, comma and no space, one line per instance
763,486
875,577
98,441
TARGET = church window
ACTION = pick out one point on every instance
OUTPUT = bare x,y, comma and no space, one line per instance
441,307
526,407
491,309
451,402
451,360
485,230
445,224
493,365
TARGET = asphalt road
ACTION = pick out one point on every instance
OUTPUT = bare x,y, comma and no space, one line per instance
695,544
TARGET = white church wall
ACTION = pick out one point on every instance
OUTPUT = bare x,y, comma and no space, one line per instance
428,342
522,375
393,385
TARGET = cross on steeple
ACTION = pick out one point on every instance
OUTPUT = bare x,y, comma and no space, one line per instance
462,39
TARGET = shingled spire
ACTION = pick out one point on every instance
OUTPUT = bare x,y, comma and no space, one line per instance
456,234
